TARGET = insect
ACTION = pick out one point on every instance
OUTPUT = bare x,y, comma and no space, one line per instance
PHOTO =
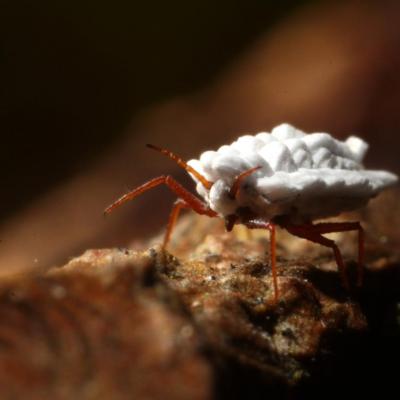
286,178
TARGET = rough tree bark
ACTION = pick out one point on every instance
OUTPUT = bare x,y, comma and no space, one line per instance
126,324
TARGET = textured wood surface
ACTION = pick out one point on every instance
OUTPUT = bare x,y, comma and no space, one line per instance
125,324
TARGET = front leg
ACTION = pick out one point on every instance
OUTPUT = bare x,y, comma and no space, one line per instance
186,200
195,203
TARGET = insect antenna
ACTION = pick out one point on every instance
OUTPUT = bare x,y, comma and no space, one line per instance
206,183
239,179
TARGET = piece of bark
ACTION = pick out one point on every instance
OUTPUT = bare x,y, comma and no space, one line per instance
122,324
99,328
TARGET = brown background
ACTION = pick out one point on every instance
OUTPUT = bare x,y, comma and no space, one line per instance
84,85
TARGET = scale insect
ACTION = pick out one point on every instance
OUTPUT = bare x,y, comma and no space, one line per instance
286,178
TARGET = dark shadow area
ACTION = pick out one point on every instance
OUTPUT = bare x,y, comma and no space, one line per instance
73,74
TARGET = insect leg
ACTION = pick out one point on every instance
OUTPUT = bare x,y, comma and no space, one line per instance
186,200
272,240
330,227
239,179
179,204
272,243
307,232
195,203
135,192
183,164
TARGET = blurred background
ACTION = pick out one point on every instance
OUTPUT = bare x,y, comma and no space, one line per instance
84,85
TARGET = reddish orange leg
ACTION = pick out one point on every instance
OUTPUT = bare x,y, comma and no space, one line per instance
314,234
330,227
238,181
307,232
272,243
179,204
187,200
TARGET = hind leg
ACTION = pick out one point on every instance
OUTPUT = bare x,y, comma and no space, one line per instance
314,234
331,227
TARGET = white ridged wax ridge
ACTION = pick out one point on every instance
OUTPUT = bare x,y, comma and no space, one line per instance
306,176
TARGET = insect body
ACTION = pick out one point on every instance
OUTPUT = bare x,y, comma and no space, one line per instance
286,178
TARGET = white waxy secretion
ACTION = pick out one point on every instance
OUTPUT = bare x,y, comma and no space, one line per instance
303,176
